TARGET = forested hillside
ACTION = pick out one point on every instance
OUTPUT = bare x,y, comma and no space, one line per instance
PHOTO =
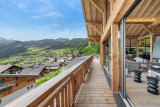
19,47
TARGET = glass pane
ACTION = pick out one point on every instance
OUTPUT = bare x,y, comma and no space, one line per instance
144,48
121,57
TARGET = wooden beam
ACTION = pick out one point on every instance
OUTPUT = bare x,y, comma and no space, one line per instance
131,37
93,23
144,37
116,15
114,57
155,23
97,5
105,14
90,40
122,7
94,37
95,41
133,22
146,27
137,48
97,30
151,47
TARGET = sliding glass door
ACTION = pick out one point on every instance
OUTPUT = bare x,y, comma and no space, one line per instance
107,55
121,57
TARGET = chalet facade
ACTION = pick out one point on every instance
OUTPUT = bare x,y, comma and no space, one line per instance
13,86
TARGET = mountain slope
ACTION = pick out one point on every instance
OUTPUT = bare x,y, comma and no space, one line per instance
18,46
5,41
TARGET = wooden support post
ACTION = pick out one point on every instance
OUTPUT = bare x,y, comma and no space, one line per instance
151,47
114,57
101,54
137,48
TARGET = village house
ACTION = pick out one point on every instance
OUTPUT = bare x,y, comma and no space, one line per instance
53,66
36,70
75,61
13,86
43,69
10,69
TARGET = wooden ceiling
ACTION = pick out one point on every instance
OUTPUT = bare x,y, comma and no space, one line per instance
144,19
93,18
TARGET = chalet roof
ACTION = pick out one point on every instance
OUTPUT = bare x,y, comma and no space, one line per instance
18,75
52,64
5,67
76,60
53,68
32,71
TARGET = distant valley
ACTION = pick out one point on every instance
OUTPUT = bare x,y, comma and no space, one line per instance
12,47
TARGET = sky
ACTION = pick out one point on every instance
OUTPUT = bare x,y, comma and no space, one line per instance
41,19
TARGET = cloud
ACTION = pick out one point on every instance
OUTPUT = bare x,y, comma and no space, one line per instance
74,4
21,6
50,14
69,33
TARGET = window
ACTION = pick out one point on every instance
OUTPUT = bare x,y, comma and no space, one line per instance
2,91
16,85
28,80
8,88
31,79
16,78
0,101
27,88
31,86
1,81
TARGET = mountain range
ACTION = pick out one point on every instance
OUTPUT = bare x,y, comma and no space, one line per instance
4,41
11,47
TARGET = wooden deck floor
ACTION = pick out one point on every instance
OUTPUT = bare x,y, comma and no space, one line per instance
95,92
137,92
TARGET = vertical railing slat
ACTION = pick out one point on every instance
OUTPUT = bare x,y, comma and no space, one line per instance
52,103
66,102
62,98
57,101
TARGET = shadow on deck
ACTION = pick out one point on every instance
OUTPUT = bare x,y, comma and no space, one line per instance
95,91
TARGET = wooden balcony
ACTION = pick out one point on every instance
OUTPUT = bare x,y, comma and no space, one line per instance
83,85
8,84
95,91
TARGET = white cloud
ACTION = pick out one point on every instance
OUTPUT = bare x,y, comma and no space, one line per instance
69,33
48,15
21,6
74,4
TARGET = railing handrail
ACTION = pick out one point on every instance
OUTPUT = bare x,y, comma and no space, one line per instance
14,81
39,94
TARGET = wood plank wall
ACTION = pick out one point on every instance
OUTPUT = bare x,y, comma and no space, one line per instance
20,81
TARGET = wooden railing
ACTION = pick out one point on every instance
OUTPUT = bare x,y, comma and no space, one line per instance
60,91
8,84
